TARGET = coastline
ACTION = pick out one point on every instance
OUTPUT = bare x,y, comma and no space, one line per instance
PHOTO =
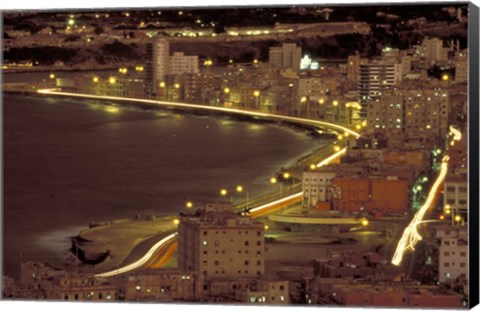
130,253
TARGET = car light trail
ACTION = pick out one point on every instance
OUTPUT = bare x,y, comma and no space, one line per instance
410,235
203,107
276,202
141,261
332,157
457,135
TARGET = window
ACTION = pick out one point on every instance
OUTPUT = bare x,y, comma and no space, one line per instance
246,262
216,262
259,254
217,243
446,264
463,265
463,254
204,262
447,243
259,243
246,243
204,232
446,254
259,233
259,262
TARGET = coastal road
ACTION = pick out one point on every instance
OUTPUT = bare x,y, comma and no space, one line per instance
159,253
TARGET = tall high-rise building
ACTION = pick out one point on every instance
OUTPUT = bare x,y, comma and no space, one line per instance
288,55
433,50
157,64
374,78
220,244
353,67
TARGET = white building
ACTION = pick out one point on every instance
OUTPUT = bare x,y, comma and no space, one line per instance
455,194
375,78
413,112
317,186
220,244
453,252
433,51
287,56
180,64
265,292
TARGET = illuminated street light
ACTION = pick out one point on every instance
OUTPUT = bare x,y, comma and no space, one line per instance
95,79
458,218
336,148
335,103
340,137
313,166
162,84
52,76
273,180
189,204
441,217
176,221
71,22
365,222
445,77
223,192
303,99
266,227
448,212
112,80
286,175
256,93
176,85
226,90
239,188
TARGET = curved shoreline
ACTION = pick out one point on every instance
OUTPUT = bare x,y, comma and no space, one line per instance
251,115
193,107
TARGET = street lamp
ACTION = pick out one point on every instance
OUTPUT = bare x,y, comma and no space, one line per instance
240,189
95,79
274,180
189,204
223,192
313,166
176,221
52,76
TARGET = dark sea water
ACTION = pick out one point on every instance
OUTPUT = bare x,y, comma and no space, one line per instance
67,162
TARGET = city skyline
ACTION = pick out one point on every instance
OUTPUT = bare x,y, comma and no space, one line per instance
374,97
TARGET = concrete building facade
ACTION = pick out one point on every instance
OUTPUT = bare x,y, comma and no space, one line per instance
288,55
220,244
317,186
453,252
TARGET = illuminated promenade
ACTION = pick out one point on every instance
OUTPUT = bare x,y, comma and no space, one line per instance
161,251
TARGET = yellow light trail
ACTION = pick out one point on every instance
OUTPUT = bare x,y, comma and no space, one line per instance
139,263
203,107
410,235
